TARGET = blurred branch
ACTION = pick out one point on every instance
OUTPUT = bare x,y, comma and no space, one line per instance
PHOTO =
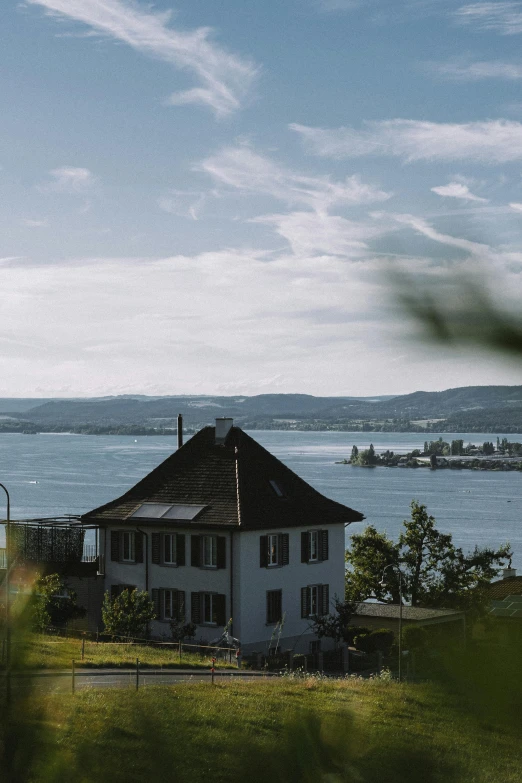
466,313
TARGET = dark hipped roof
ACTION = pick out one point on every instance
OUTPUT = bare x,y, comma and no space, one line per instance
204,473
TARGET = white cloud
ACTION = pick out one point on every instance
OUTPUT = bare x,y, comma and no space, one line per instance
501,17
491,141
335,5
242,168
460,70
69,179
516,206
310,233
224,78
457,190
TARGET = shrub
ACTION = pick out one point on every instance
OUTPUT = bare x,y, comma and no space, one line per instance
351,631
128,615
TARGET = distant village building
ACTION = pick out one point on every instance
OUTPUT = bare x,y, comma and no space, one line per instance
223,530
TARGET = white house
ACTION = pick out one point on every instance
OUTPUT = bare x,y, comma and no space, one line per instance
222,529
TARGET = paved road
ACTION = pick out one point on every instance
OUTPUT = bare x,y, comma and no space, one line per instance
109,678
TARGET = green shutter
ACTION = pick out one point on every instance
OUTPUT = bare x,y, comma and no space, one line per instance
221,560
115,545
305,547
305,603
180,549
195,600
263,551
155,548
195,551
219,609
323,544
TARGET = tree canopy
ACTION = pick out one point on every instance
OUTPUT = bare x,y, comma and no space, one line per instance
435,572
129,614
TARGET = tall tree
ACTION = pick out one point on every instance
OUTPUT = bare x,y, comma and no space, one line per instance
435,572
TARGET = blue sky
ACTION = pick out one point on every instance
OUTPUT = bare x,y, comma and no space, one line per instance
209,197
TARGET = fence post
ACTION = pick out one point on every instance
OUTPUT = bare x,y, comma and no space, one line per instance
83,647
180,652
320,664
137,673
97,635
73,683
379,660
212,669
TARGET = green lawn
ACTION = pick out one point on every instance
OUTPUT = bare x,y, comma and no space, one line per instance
48,652
283,731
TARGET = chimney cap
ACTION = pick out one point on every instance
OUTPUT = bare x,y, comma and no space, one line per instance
223,426
509,573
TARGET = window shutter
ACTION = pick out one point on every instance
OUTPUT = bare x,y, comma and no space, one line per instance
263,551
180,609
115,545
155,548
195,600
221,560
323,552
156,602
284,548
138,547
219,607
195,553
305,547
305,604
324,599
180,549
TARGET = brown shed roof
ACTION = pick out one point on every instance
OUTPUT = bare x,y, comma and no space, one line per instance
499,590
240,484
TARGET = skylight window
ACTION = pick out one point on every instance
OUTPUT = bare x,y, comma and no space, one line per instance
277,489
181,511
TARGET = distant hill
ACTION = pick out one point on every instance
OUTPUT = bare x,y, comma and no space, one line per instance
469,408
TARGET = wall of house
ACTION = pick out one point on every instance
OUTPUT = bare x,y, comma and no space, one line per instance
188,578
253,582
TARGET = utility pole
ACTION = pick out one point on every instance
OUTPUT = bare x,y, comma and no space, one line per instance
7,597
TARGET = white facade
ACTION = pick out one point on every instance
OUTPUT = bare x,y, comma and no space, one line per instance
243,582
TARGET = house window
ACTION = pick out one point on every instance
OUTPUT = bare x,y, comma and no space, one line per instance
314,546
169,549
315,646
172,605
273,550
274,605
315,601
128,547
210,551
209,609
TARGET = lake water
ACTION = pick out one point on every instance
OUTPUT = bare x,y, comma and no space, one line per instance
75,473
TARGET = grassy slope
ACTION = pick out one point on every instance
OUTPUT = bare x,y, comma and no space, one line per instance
284,731
44,652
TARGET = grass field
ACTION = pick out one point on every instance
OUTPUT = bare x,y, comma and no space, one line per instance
362,731
48,652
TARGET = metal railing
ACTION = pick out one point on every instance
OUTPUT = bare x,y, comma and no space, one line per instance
3,558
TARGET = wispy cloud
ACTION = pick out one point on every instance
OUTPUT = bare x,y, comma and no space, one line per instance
242,168
68,179
491,141
183,203
224,78
516,206
30,223
464,71
421,226
501,17
457,190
